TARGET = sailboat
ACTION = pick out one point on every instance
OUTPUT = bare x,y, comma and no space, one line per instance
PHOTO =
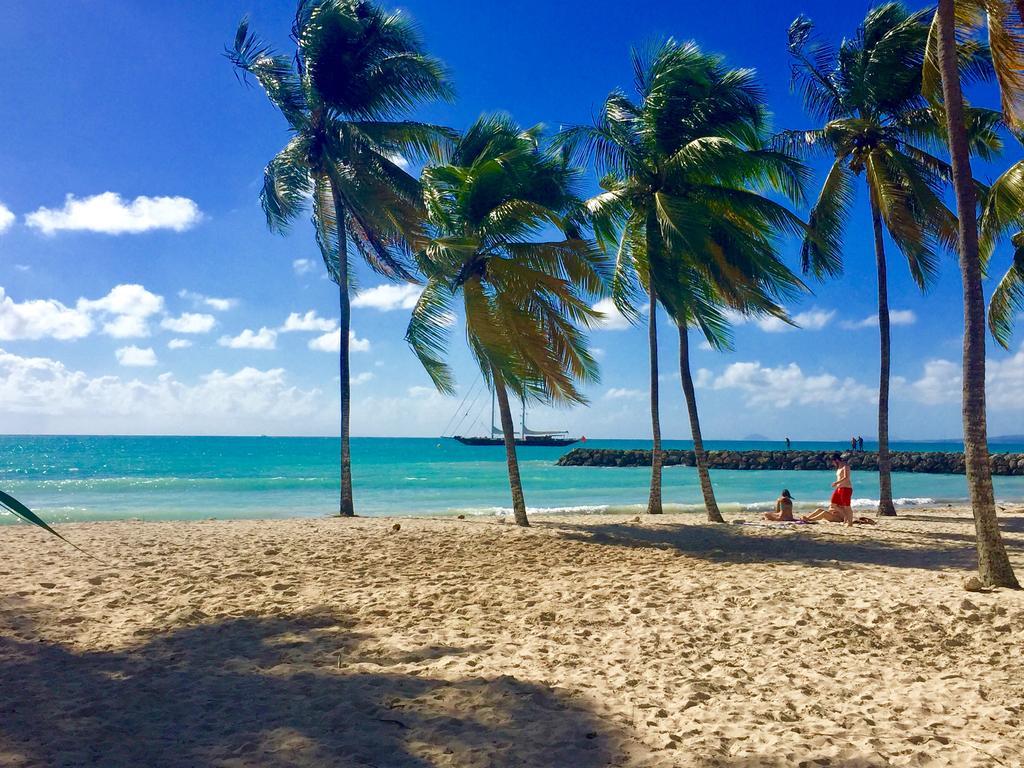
526,436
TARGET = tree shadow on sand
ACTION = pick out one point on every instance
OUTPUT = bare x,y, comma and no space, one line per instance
731,543
271,692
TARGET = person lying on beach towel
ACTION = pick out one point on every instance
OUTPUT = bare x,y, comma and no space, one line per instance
783,508
835,515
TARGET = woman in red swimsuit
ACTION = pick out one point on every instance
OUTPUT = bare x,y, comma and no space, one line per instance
842,496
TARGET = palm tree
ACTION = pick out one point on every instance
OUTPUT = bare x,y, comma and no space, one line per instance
941,75
523,297
679,208
878,126
356,70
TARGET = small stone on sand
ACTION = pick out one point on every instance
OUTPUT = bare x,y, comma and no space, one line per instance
973,584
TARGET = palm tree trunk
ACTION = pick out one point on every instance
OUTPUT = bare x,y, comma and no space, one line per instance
508,430
714,515
654,501
993,564
885,505
346,506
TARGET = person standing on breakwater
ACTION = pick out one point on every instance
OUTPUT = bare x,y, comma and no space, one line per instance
788,444
853,443
860,444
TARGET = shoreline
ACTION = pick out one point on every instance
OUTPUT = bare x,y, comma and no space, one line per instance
597,511
583,640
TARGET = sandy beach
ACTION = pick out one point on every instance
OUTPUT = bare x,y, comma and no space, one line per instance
582,641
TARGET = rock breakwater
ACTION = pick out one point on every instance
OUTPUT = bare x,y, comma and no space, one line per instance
929,462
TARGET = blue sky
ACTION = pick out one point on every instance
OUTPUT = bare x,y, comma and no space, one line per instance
129,100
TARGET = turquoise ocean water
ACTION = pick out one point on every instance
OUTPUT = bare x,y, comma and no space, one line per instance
179,478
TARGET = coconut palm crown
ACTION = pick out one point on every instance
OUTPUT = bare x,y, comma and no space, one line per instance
356,71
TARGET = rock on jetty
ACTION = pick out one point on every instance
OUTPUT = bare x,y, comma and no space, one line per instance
931,462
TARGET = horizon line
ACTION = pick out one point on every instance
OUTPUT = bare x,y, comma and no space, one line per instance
1011,437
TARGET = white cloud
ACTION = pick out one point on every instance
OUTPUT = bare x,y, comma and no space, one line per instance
941,383
896,317
331,342
362,378
41,318
189,322
41,391
218,305
1005,382
704,378
179,344
308,322
264,338
613,319
386,298
811,320
109,214
303,266
126,327
127,307
622,393
124,311
136,357
705,346
6,218
125,299
786,385
418,410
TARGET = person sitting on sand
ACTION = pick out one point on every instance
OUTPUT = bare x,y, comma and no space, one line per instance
834,515
783,508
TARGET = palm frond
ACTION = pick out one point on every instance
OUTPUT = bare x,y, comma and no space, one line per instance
272,71
326,224
428,331
1008,298
820,255
1002,207
903,219
286,185
809,73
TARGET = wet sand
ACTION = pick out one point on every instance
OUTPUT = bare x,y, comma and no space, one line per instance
582,641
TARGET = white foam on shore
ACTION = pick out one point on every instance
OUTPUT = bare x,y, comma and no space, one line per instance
729,507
